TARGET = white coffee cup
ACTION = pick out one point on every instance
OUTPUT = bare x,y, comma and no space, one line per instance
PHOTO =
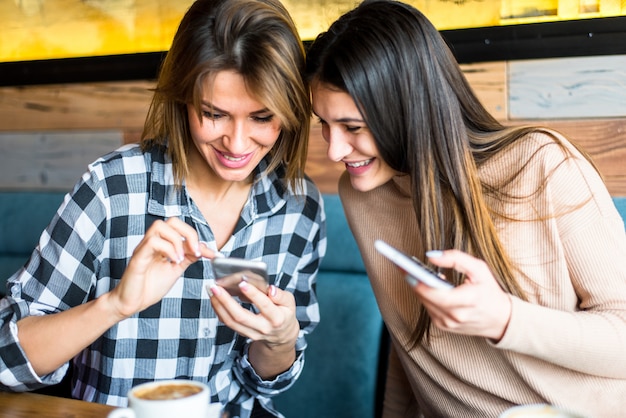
168,399
538,411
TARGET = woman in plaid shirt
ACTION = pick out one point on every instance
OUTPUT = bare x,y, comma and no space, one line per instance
116,285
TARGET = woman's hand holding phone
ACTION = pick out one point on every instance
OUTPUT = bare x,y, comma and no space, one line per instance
415,270
229,272
273,326
477,307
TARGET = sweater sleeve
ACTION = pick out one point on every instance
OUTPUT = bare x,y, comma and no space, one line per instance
577,318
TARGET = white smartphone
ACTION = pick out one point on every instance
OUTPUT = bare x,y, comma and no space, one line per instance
412,266
230,271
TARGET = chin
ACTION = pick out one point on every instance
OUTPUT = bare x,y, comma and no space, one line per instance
366,183
363,185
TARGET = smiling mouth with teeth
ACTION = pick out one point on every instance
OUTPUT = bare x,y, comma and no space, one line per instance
231,158
360,163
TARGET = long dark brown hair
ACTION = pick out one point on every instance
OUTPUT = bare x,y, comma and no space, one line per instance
427,122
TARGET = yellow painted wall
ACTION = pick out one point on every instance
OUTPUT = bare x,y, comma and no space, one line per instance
42,29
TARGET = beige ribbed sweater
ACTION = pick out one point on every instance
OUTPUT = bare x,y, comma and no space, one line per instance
567,346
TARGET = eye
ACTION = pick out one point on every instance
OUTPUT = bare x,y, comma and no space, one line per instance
212,115
263,119
353,129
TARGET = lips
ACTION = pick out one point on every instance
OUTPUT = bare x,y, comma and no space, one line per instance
233,160
360,163
359,167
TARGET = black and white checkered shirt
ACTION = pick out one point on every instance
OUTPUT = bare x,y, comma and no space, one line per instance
84,252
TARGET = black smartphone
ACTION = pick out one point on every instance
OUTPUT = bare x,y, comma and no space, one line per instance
230,271
412,266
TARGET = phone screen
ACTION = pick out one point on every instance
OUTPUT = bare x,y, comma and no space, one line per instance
229,272
412,266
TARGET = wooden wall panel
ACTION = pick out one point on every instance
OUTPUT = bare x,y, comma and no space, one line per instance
118,110
51,160
584,87
489,81
111,105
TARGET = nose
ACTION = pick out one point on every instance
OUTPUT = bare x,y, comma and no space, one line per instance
236,136
338,146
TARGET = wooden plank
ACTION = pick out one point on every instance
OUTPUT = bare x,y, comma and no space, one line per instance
80,106
488,79
121,106
51,160
584,87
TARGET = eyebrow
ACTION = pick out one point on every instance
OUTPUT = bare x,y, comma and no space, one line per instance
256,112
342,120
348,120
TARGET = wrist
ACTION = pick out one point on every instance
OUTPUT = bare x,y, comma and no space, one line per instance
505,319
110,308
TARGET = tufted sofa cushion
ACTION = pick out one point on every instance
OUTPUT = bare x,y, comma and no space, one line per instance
23,217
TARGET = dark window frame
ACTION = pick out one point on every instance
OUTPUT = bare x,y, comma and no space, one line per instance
574,38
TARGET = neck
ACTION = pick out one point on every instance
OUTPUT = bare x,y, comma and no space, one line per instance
206,185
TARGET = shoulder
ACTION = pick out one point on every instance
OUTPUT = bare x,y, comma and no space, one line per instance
124,160
532,161
544,148
307,200
546,173
273,197
126,170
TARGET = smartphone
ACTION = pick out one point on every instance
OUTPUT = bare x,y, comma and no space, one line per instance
412,266
230,271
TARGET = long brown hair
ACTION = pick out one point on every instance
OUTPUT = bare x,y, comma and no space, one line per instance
257,39
427,122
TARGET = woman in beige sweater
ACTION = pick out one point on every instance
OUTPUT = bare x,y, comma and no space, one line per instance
518,219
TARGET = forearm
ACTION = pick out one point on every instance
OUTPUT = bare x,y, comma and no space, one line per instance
51,340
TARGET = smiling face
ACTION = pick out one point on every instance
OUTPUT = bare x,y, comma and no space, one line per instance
349,139
235,132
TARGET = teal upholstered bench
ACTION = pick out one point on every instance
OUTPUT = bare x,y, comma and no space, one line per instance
346,356
23,217
340,378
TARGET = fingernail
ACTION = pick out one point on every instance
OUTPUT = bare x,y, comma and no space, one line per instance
273,290
215,290
198,253
243,285
412,281
434,254
210,284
